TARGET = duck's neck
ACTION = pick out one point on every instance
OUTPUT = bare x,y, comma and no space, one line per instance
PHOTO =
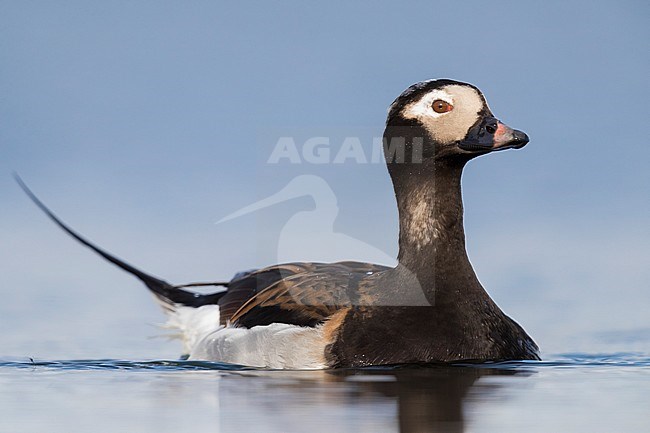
432,237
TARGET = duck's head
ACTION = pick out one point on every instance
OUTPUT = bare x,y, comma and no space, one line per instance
438,119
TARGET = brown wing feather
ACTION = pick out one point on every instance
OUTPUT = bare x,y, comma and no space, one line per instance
303,294
247,285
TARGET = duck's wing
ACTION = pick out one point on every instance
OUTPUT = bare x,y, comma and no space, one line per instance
246,285
306,294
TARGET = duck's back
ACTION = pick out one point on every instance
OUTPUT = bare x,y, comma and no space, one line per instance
303,294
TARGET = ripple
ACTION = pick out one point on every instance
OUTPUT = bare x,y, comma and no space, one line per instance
618,359
567,360
119,364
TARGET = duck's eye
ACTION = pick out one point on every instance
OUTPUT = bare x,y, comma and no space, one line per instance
440,106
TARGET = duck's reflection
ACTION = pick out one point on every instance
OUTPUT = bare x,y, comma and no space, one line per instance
428,399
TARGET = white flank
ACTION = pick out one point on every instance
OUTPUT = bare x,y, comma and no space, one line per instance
193,323
277,345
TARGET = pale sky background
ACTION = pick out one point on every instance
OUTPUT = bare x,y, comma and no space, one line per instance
142,124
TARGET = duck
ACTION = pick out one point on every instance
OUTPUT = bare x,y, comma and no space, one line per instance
430,308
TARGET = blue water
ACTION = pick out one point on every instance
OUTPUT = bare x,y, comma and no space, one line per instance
570,392
615,360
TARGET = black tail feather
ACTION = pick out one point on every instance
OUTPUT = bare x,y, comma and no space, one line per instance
166,292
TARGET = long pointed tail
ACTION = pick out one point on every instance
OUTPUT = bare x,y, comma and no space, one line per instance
170,296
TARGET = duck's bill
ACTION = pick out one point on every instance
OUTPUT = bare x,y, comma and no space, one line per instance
490,135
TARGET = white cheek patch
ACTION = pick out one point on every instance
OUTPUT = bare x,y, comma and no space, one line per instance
423,107
450,126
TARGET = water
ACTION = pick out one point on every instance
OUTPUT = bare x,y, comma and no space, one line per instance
572,392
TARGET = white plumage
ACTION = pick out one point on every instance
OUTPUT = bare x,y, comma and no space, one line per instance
277,345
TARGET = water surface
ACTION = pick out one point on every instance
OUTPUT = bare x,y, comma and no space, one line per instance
572,392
